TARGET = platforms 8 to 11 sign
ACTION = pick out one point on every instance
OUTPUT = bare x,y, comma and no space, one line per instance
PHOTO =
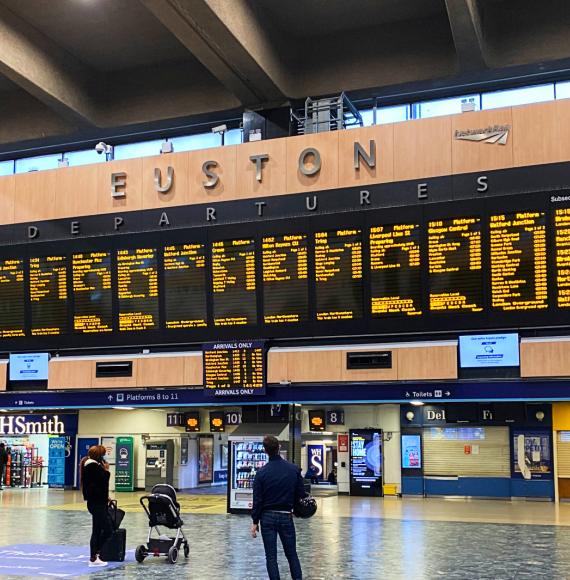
234,368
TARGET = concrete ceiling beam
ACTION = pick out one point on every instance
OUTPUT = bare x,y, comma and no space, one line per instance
45,71
465,22
227,38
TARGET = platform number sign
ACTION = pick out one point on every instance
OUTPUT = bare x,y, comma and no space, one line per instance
233,417
335,417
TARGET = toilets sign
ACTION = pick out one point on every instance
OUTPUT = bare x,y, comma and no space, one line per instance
18,425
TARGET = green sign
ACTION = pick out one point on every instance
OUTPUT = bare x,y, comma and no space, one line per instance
124,464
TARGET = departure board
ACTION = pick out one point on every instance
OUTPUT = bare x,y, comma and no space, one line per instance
137,289
454,261
338,274
12,298
562,242
518,261
395,276
92,292
185,286
285,279
48,295
234,368
233,282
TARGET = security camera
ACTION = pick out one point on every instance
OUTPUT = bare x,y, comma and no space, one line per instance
101,147
220,129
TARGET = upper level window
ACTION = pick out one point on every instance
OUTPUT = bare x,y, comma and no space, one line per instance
522,96
233,137
142,149
445,106
83,157
7,167
394,114
563,90
39,163
194,142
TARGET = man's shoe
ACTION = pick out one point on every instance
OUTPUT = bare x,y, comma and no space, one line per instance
97,563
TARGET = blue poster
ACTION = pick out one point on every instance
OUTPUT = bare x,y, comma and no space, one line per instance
531,454
56,462
316,460
411,452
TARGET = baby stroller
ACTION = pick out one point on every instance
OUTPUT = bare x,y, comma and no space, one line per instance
163,510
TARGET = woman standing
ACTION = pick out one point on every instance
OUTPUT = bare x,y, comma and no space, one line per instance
95,486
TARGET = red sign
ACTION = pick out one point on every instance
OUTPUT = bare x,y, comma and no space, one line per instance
467,449
342,442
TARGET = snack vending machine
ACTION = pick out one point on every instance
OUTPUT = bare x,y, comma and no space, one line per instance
246,458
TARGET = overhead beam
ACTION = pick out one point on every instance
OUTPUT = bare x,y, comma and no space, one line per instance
465,24
227,38
44,70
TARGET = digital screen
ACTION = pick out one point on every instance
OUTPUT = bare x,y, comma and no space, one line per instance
92,292
185,286
338,274
316,420
395,276
562,243
192,421
234,368
217,421
411,452
137,289
48,295
454,260
518,261
12,298
285,279
233,282
492,350
366,461
29,367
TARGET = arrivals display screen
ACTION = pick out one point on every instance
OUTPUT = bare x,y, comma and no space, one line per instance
480,265
491,350
29,367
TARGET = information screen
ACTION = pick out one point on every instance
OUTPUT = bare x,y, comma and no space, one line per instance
454,258
185,286
234,368
29,366
338,274
48,295
12,298
285,279
411,452
137,289
365,462
395,276
519,276
92,292
489,350
562,240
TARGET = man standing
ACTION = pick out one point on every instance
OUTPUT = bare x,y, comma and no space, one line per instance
3,463
276,488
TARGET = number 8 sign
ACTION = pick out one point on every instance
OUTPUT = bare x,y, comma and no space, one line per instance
335,417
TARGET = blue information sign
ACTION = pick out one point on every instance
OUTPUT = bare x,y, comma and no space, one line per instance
56,462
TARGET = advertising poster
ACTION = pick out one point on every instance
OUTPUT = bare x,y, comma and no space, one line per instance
366,462
56,463
124,467
315,459
206,460
534,451
411,452
224,456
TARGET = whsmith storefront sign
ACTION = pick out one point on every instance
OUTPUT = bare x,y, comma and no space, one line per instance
20,425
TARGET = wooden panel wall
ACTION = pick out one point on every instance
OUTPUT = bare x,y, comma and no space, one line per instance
70,374
410,150
545,359
160,371
3,375
437,362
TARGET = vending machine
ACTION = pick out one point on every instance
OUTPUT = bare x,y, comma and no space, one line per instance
246,458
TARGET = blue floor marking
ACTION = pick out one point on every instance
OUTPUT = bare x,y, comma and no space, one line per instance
46,561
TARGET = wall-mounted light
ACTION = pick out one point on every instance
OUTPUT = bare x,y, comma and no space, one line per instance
417,403
410,415
539,415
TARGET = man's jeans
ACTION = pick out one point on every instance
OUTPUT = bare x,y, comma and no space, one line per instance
273,524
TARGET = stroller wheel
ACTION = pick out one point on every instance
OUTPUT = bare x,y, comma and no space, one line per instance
186,550
140,554
173,555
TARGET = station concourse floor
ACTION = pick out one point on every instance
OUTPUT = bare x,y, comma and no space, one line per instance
349,538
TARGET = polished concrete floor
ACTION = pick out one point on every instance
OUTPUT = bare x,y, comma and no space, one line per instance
350,538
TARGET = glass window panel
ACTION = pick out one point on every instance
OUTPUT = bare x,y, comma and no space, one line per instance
193,142
367,117
7,167
523,96
233,137
39,163
446,106
142,149
563,90
392,114
84,157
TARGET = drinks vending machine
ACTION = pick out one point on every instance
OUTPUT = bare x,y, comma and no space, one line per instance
246,458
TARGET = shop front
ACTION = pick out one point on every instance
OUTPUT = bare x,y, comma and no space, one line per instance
477,450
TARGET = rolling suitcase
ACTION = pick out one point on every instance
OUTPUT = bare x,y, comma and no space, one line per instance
114,548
